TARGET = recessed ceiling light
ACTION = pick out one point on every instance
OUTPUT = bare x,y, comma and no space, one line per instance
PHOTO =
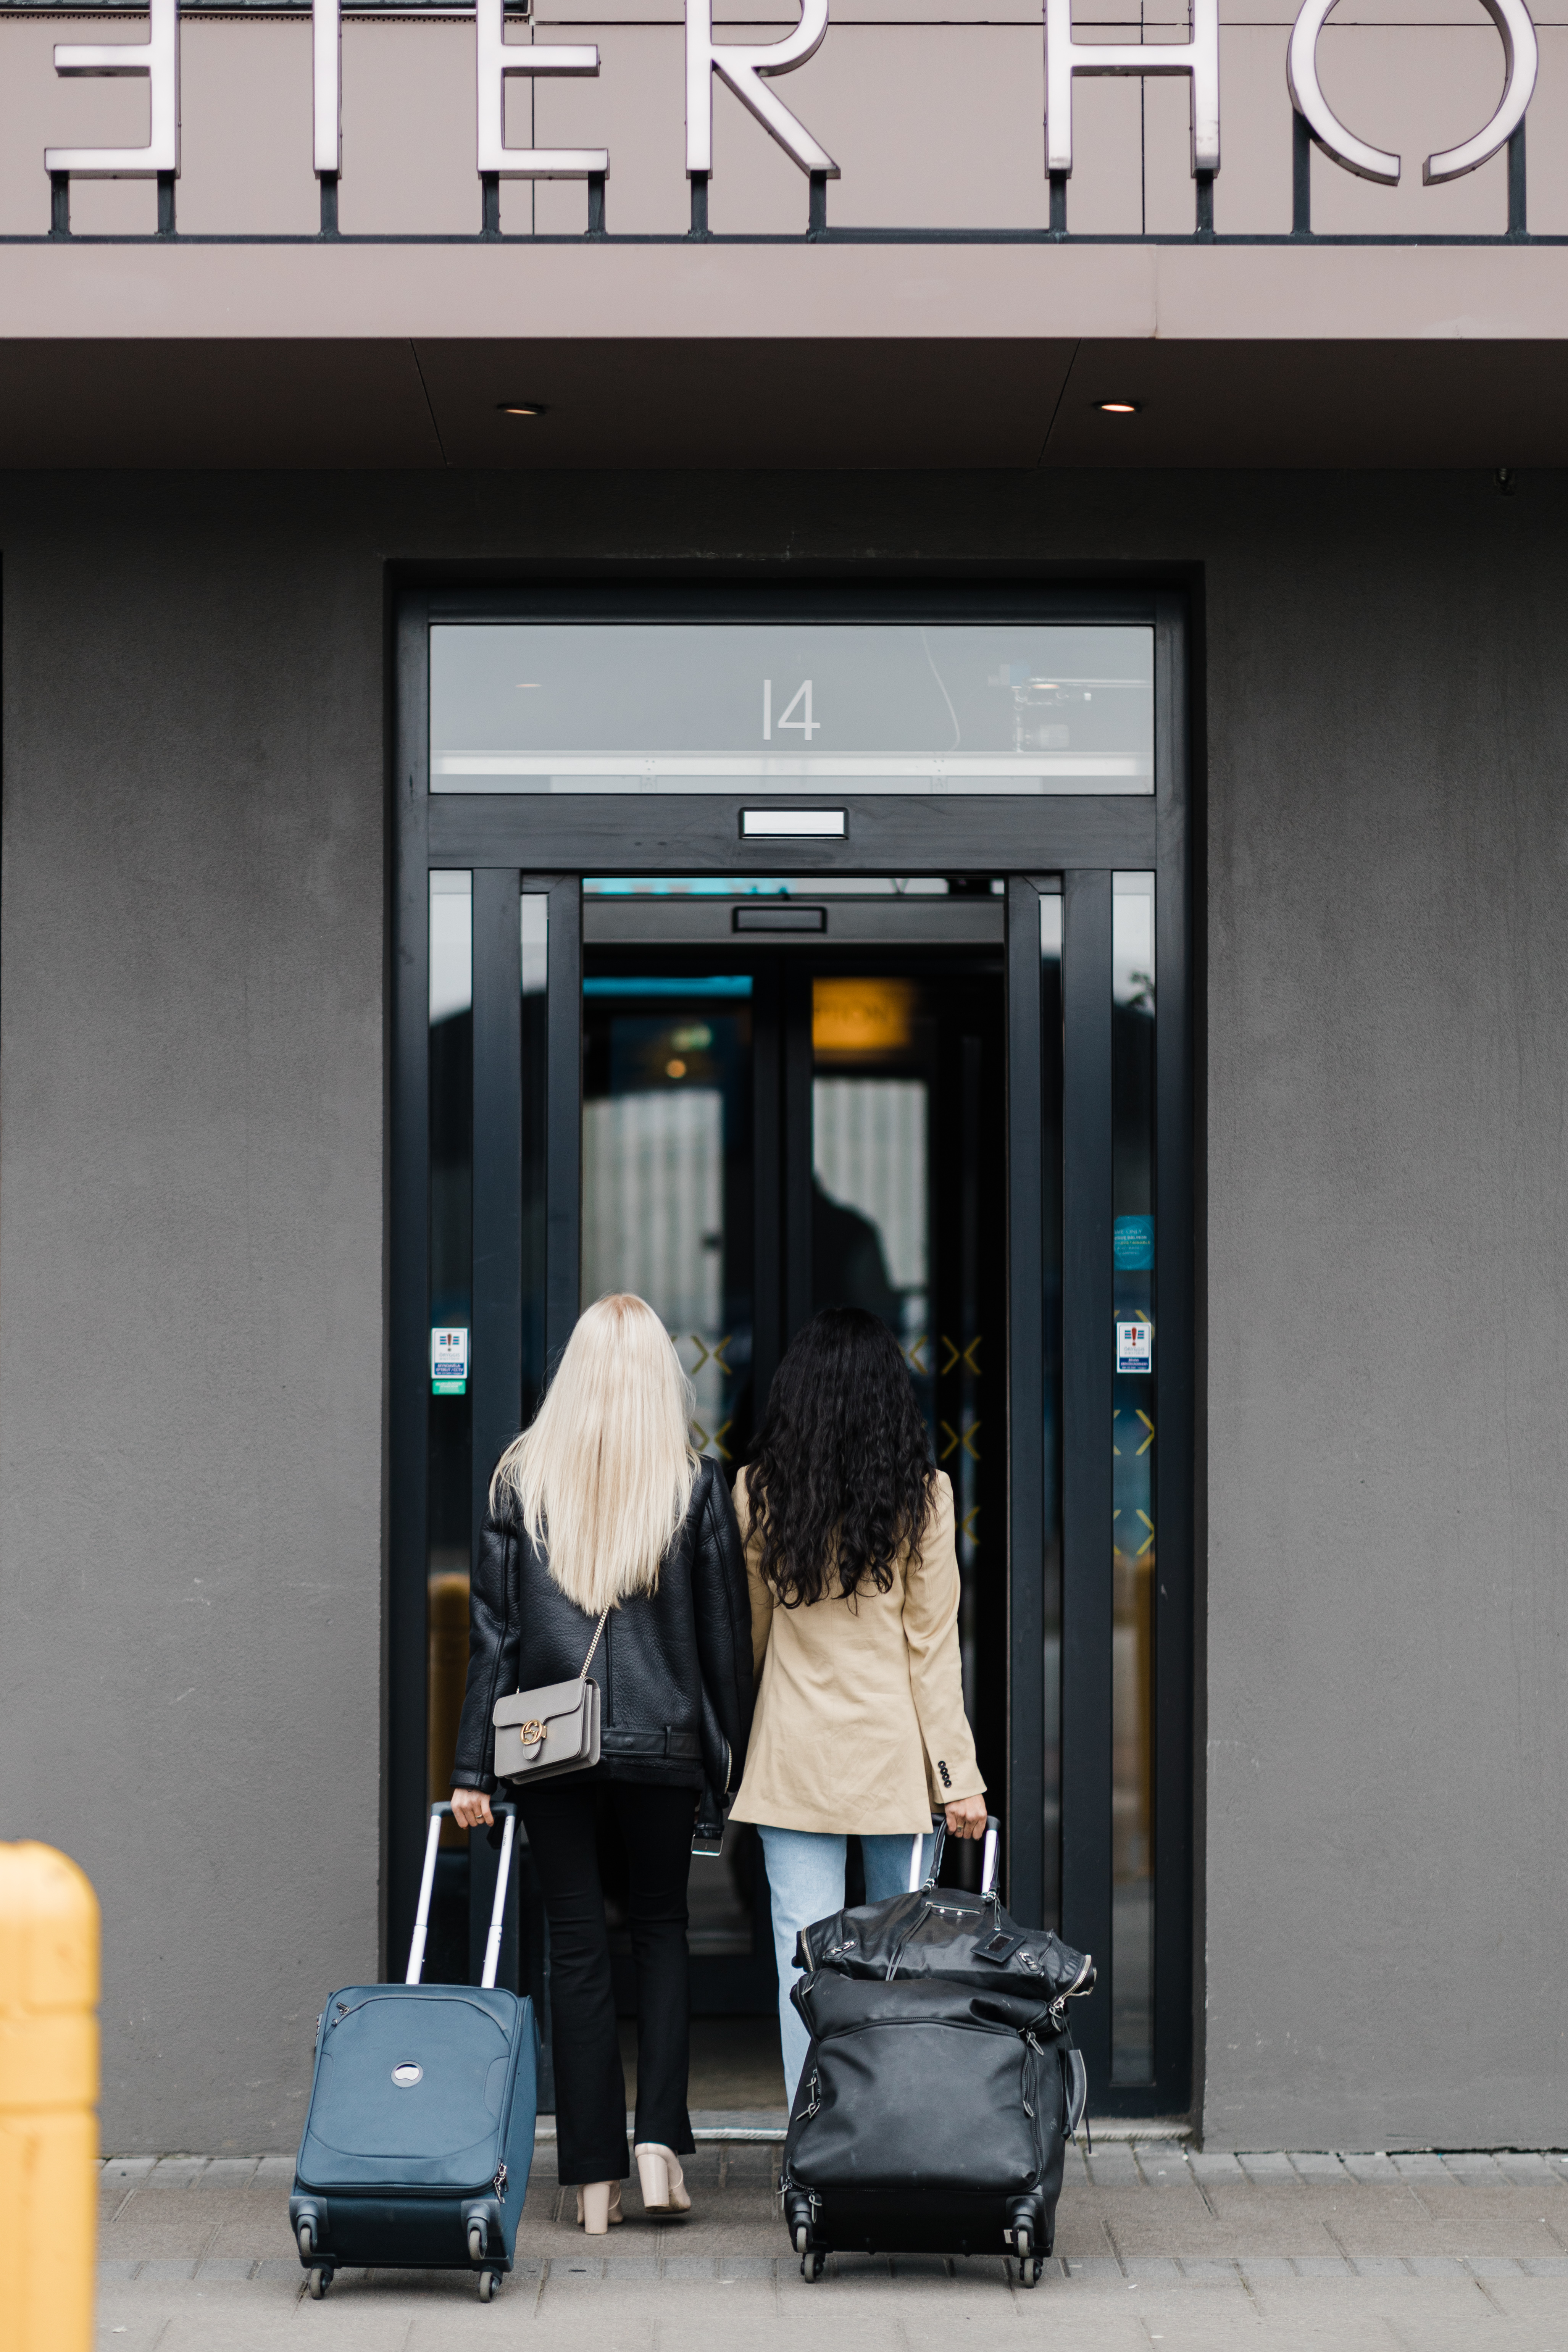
521,407
1118,407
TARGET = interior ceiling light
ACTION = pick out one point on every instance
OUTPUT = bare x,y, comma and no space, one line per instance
1118,407
521,407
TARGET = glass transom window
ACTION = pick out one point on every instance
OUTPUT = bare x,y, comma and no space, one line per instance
697,706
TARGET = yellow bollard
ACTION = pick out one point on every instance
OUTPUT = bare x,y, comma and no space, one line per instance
48,2098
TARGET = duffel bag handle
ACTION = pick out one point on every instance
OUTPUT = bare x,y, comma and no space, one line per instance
938,1839
917,1848
508,1816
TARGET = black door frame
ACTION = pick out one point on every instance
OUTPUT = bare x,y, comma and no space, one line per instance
1039,843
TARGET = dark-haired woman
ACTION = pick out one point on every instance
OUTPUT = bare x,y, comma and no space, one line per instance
860,1723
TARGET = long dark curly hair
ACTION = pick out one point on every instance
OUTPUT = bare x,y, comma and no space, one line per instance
843,1477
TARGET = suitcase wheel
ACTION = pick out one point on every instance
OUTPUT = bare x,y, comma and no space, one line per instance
476,2240
1029,2271
811,2267
486,2286
320,2280
307,2237
802,2237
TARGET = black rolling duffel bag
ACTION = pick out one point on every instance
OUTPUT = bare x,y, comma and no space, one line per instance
941,2083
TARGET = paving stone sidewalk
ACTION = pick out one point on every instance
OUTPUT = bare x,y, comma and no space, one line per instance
1155,2245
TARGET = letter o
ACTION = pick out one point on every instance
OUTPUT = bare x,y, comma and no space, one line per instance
1521,60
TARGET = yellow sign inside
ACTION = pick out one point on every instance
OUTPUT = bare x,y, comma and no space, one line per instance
862,1016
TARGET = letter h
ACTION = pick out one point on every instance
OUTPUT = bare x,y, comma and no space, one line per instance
1198,56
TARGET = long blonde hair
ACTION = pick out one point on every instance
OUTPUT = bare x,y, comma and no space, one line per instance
602,1478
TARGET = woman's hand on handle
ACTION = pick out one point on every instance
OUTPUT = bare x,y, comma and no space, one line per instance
470,1807
966,1817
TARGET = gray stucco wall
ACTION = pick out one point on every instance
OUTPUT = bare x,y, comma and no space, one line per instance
191,1230
1387,1602
191,1236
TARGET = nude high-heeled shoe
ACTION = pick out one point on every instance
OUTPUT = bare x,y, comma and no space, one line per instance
663,2182
599,2207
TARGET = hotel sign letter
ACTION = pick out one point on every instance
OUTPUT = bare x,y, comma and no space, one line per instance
742,64
1198,56
498,61
327,62
158,56
1520,61
748,68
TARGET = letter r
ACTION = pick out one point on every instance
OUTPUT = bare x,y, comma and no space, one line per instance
742,64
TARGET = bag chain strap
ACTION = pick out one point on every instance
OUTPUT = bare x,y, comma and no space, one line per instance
592,1647
589,1659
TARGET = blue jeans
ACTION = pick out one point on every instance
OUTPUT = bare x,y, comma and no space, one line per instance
806,1883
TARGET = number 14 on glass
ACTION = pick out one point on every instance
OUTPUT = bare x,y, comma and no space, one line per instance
799,701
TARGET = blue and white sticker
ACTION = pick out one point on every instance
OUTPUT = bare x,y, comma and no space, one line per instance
1134,1346
1132,1245
449,1353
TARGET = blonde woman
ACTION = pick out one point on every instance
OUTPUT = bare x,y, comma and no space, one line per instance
602,1505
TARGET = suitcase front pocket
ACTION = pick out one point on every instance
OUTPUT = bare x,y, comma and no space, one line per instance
411,2092
910,2108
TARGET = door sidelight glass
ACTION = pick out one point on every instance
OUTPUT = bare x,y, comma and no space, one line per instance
1134,1548
534,975
449,1424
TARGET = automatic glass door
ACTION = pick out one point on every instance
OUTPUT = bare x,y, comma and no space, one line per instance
789,1104
951,1103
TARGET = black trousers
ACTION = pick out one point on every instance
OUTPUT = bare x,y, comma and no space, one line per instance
655,1821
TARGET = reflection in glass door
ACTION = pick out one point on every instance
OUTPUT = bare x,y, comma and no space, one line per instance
908,1215
667,1212
870,1243
667,1174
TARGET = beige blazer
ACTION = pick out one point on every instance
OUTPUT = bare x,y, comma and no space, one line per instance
860,1723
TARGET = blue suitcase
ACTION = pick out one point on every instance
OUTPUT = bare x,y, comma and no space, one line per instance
419,2134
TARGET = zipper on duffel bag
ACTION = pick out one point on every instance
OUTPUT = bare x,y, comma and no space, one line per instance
1041,2152
1078,1985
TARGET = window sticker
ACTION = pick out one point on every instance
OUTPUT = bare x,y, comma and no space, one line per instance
449,1360
1134,1346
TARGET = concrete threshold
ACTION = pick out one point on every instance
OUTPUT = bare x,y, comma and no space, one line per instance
1125,2130
708,2126
738,2126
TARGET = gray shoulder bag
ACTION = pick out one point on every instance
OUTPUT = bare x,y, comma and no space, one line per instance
540,1733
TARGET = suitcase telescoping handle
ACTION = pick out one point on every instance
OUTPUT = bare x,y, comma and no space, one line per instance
939,1839
507,1815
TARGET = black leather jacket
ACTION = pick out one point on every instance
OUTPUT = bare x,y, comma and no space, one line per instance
674,1667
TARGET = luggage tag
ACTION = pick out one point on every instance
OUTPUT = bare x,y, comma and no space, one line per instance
999,1948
